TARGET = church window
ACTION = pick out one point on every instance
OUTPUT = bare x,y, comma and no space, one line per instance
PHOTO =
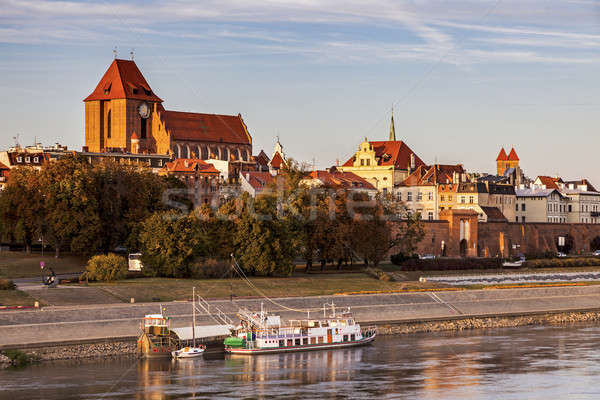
362,162
108,124
368,162
143,127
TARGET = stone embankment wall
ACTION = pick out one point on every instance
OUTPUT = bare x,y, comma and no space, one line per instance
80,351
487,323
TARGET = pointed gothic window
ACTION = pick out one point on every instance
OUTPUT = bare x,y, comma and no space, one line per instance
143,127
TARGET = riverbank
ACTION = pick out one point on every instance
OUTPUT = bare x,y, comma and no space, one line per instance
127,347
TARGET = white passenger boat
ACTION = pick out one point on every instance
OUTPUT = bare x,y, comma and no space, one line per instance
262,333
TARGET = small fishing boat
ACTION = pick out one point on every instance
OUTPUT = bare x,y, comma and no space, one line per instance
193,351
263,334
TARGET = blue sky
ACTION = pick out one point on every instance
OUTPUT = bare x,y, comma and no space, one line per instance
465,76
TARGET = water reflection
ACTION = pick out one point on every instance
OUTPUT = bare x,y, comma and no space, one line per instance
509,364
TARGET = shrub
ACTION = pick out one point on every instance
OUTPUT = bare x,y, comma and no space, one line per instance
19,358
563,263
7,284
107,268
451,264
379,274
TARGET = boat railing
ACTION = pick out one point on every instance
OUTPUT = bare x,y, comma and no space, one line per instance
368,331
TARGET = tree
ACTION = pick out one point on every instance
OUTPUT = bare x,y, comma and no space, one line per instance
21,206
264,243
170,242
70,205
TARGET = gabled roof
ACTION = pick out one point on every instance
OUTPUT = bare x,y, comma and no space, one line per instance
190,165
494,214
549,182
206,127
580,182
258,180
123,80
277,162
536,192
513,155
343,180
393,153
433,175
502,156
262,158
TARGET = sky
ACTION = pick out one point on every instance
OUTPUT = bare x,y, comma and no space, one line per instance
464,77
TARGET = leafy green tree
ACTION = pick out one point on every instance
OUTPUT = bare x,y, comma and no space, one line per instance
264,242
71,216
21,206
170,243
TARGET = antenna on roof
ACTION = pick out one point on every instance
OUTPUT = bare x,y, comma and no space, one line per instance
115,52
131,54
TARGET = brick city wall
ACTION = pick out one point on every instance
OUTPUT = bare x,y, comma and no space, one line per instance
505,239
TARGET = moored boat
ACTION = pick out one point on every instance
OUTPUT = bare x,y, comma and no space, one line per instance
263,334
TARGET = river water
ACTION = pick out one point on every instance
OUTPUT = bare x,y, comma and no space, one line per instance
512,363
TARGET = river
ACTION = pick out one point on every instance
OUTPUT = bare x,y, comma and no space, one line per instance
511,363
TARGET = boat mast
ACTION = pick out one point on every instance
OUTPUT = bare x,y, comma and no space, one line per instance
194,315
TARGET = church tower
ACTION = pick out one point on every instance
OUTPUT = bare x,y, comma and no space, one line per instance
504,162
392,129
119,107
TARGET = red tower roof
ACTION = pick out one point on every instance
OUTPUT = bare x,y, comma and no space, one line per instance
123,80
512,156
502,156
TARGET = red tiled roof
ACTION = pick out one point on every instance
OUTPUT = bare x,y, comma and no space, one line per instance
339,179
513,155
206,127
258,180
262,158
134,136
190,165
436,174
494,214
550,182
123,80
502,156
393,152
277,161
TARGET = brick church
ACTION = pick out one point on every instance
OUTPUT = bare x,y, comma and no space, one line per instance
124,114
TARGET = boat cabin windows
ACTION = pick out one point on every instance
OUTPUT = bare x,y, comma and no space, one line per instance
305,341
313,340
290,342
297,342
353,337
345,338
321,339
281,343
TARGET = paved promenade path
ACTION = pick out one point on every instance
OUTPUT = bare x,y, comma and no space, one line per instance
71,323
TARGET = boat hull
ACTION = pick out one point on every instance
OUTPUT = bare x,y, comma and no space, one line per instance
308,347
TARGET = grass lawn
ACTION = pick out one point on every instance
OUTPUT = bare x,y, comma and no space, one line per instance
165,289
15,298
22,265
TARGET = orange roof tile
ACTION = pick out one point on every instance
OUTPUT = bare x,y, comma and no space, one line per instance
190,165
550,182
277,161
258,180
436,174
262,158
123,80
206,127
502,156
339,179
394,153
513,155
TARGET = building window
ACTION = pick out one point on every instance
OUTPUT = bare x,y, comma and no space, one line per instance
27,159
516,207
523,207
362,162
471,199
108,124
516,219
409,196
19,159
523,218
399,195
430,215
442,198
430,196
143,127
368,162
36,160
449,198
419,196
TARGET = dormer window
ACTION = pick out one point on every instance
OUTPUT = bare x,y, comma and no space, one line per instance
19,159
148,92
134,90
36,160
27,159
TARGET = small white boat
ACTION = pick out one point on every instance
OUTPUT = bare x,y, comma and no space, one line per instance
514,264
189,352
193,350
